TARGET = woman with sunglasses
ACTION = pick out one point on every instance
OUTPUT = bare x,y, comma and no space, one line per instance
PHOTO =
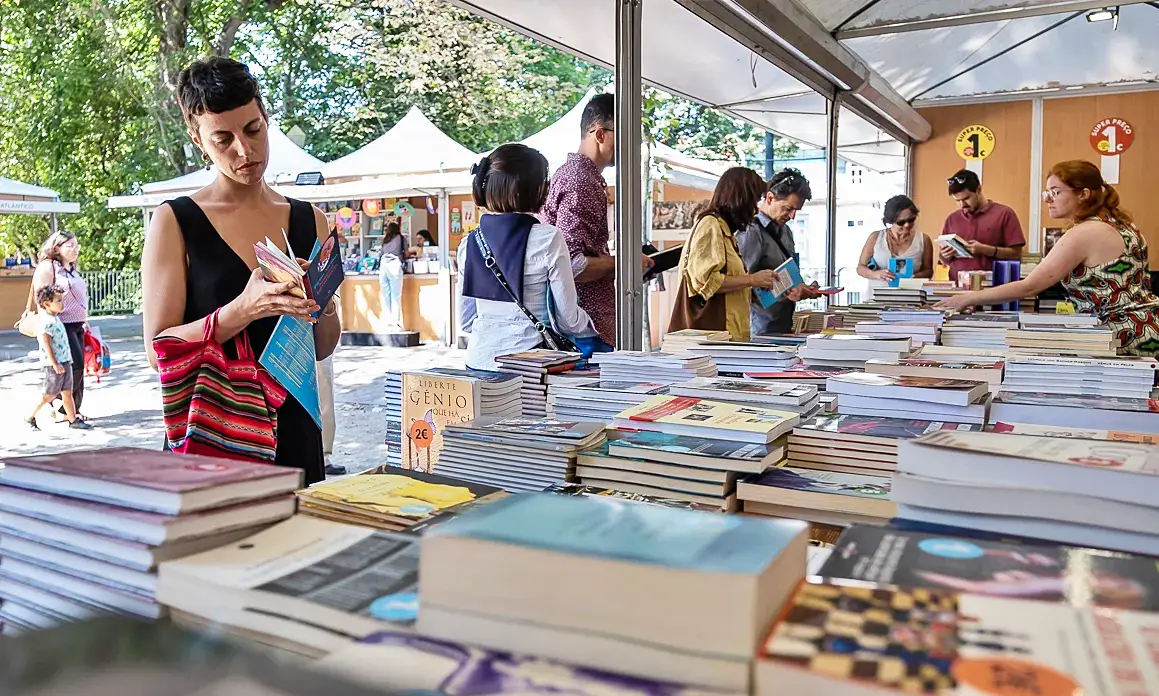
901,240
1101,260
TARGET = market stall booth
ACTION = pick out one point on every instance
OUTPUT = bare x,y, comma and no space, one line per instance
18,198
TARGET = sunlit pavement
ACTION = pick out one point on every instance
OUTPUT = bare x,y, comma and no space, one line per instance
124,408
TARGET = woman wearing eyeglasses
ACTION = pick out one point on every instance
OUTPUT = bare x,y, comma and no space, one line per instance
901,240
1101,260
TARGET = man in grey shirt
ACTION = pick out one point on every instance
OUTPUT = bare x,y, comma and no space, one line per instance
768,242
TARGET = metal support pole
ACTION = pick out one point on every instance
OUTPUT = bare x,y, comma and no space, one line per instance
446,279
831,192
629,178
770,155
53,223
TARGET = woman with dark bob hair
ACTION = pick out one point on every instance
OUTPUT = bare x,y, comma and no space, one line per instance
199,250
510,184
899,240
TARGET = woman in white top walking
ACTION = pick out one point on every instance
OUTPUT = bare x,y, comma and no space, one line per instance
511,184
900,240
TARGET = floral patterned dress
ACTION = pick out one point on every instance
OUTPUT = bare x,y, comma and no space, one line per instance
1119,294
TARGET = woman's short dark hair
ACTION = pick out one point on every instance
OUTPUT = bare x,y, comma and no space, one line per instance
735,197
788,182
895,207
213,86
512,179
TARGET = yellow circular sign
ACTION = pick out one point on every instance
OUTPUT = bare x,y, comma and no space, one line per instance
974,142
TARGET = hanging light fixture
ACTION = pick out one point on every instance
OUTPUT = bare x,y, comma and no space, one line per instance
1104,14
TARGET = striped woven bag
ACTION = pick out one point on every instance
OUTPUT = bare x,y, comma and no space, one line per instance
216,405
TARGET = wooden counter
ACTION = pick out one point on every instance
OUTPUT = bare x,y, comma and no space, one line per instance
13,298
424,307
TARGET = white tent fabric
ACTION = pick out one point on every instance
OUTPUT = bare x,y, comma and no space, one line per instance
687,56
413,145
287,160
12,187
937,50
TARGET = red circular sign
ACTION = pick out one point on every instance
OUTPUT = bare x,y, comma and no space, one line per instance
1112,136
421,434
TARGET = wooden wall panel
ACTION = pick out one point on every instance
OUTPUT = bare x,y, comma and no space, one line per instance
1005,174
1066,125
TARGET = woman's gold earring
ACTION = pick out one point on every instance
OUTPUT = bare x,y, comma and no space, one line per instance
205,158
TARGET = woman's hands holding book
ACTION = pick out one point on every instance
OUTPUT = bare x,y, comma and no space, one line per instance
261,299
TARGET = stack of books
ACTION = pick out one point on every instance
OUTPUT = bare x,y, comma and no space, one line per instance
390,498
810,322
1072,341
817,496
905,296
1126,378
852,351
782,396
596,399
985,330
919,333
393,397
644,590
800,374
855,314
681,415
438,397
1031,320
632,366
82,533
1057,410
989,372
533,368
918,398
861,445
987,356
517,454
773,339
737,358
682,340
1074,491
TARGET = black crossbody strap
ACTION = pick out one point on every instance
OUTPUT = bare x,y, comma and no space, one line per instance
777,238
489,261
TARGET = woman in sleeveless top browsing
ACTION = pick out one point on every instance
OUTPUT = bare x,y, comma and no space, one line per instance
199,256
900,240
58,266
1101,260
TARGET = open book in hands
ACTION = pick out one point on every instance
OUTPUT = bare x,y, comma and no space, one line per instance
280,268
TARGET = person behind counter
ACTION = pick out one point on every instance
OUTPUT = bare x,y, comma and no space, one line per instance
512,183
1101,260
199,254
991,230
715,288
391,255
900,240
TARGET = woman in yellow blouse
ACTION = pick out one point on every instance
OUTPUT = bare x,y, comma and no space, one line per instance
715,288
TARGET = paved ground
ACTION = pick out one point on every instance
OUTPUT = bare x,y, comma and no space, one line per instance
125,407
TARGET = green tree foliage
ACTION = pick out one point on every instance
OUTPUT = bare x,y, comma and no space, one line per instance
88,108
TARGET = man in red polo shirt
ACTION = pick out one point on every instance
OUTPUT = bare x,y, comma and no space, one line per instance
991,230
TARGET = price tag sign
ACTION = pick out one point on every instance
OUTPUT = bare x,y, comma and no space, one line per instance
974,144
422,434
1111,137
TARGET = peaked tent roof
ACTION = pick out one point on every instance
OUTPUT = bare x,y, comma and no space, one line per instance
987,49
287,160
12,187
414,145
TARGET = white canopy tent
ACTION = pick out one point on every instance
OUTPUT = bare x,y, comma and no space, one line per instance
414,145
287,160
17,197
947,51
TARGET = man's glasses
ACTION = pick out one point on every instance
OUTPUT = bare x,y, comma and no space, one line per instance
908,222
957,179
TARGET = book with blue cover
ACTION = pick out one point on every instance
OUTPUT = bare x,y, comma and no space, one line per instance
786,277
685,450
900,268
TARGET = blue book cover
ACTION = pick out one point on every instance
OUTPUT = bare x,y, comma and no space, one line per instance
645,441
812,481
325,271
608,528
900,268
290,358
787,277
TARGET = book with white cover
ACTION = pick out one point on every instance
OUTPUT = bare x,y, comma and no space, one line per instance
1121,471
1075,433
959,392
681,415
1029,319
939,369
745,391
1101,412
840,342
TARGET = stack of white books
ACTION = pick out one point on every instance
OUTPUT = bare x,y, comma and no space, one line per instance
392,394
682,340
951,400
784,396
636,366
737,358
919,333
1080,492
1028,320
854,314
1128,378
1059,410
1069,341
596,399
533,368
835,350
989,372
899,297
984,330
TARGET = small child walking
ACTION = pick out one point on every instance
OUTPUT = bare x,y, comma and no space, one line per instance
55,356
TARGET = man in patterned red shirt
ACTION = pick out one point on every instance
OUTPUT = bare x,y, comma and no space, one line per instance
577,204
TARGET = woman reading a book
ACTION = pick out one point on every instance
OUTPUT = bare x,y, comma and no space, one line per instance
900,240
532,259
715,287
199,256
1101,260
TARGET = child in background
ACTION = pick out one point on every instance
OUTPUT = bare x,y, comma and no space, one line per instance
55,356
